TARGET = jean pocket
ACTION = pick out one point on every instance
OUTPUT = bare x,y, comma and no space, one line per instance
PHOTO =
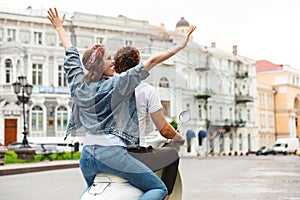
85,155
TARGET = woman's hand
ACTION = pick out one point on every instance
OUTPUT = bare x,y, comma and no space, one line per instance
55,20
58,25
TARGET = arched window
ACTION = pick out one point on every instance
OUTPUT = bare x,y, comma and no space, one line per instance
37,119
8,71
240,142
163,82
61,118
249,142
231,142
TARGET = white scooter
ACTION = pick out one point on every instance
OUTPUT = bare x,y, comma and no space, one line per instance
112,187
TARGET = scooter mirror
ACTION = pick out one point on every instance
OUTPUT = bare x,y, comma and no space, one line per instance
184,116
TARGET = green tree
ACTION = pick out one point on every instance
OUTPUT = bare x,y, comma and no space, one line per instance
174,124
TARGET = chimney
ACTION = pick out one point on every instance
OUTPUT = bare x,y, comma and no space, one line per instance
213,44
234,49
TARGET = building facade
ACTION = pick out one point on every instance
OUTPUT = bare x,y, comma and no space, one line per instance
216,86
266,114
285,81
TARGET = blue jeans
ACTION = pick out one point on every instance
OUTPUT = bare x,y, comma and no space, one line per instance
116,160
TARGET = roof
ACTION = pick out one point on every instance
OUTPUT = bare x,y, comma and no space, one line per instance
182,22
264,65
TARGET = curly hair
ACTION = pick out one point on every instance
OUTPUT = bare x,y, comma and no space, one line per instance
125,58
95,71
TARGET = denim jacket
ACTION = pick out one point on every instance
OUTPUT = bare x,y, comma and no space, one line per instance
107,106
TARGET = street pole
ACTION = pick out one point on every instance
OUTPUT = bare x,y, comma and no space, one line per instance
25,151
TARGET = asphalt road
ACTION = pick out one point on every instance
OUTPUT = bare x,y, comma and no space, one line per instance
212,178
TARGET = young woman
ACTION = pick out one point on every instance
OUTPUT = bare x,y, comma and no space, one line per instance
106,108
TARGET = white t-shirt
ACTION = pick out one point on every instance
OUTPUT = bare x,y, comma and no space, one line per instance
147,102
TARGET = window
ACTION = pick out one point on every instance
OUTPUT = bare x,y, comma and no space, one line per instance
99,40
262,120
270,121
8,71
231,142
73,40
62,118
270,101
249,115
37,71
200,111
249,142
261,99
188,107
37,119
163,82
11,35
240,142
62,79
128,42
37,37
230,114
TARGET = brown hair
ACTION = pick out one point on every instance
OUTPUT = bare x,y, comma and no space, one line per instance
125,58
95,70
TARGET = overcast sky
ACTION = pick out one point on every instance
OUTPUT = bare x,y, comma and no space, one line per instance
262,29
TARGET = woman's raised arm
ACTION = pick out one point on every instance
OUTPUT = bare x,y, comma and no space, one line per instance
58,25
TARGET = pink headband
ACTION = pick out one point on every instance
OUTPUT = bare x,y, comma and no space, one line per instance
94,56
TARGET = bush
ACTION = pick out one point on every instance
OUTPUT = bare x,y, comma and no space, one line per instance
11,157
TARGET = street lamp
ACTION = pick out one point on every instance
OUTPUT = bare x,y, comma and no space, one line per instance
23,90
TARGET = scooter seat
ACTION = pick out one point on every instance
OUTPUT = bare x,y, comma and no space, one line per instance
109,178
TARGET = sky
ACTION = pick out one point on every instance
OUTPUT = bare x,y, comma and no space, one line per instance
262,29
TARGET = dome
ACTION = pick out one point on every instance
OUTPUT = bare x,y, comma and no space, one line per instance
182,22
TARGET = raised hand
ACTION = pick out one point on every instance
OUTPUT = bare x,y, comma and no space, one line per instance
188,35
54,18
58,25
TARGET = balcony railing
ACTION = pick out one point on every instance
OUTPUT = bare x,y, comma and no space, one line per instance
202,93
233,124
241,75
243,98
240,123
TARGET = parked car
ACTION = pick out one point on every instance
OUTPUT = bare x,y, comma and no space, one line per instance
286,145
298,152
2,147
265,151
3,151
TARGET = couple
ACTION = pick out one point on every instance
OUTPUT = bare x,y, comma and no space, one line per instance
107,109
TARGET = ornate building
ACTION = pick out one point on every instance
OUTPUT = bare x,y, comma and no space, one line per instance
285,82
216,86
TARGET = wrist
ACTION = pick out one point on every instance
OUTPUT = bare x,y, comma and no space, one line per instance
58,28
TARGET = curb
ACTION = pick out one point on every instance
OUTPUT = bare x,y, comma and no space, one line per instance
12,169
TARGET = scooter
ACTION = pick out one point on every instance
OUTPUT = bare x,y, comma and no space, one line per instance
112,187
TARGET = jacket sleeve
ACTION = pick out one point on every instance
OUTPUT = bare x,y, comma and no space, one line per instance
73,69
126,82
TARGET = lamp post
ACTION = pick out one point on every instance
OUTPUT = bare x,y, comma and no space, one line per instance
23,90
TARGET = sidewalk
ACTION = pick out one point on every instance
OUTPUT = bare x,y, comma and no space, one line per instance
10,169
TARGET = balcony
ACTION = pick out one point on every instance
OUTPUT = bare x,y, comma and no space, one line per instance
202,93
243,98
241,75
201,68
240,123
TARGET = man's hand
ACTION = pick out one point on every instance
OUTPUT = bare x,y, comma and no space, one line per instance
178,139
